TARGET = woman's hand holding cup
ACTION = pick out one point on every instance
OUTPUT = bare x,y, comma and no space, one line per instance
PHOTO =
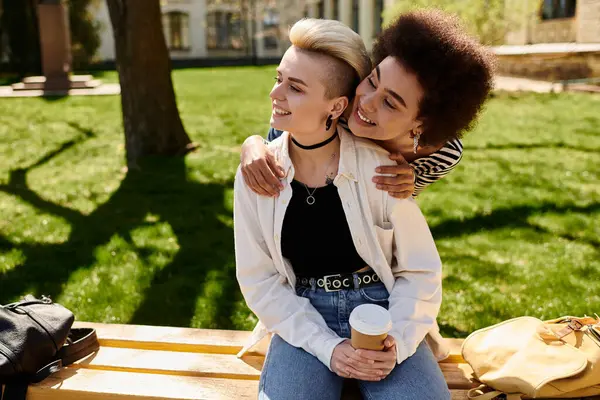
346,363
370,325
384,360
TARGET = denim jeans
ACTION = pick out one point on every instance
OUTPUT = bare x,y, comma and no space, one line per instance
292,373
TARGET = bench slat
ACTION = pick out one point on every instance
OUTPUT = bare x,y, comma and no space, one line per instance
173,363
192,340
86,384
168,338
213,365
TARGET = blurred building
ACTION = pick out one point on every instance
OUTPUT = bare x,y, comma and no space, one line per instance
558,21
243,30
558,41
363,16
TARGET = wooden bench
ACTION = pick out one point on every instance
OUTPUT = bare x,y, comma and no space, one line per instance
148,362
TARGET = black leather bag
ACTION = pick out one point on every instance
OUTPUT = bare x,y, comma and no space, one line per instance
36,340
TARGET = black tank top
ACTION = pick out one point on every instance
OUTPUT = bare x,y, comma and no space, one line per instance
316,238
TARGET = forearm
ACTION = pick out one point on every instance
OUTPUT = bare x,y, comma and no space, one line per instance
265,288
290,316
425,179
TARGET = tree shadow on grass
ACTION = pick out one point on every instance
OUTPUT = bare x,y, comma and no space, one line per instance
160,188
450,331
513,217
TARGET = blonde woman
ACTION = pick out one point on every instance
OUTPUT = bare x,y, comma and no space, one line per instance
331,241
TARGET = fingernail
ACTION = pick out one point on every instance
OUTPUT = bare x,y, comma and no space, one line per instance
379,186
374,179
377,169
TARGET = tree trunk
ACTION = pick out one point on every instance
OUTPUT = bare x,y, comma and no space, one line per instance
150,116
19,22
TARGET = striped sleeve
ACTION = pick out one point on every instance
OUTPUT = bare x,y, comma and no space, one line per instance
437,165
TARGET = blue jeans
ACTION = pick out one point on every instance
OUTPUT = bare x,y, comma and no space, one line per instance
292,373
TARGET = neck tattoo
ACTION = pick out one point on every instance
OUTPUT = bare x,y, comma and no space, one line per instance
310,200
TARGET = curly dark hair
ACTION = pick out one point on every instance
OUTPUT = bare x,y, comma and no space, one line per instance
453,68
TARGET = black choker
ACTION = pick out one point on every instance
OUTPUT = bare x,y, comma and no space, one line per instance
316,146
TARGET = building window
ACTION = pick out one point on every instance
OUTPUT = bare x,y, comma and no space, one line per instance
554,9
176,25
270,29
225,30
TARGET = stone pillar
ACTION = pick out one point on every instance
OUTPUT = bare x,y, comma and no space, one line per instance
588,21
345,12
365,22
328,9
55,43
258,32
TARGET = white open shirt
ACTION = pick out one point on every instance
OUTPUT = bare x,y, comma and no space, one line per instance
390,235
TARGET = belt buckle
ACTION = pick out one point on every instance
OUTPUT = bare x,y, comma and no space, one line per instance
326,286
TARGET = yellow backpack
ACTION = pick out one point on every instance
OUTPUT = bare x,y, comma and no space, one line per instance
529,358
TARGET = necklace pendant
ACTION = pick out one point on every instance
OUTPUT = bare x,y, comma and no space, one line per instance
310,200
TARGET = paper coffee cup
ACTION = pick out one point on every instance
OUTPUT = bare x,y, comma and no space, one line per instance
370,325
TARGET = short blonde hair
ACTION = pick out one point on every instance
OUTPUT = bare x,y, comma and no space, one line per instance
334,39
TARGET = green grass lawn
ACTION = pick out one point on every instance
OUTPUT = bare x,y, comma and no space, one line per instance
517,224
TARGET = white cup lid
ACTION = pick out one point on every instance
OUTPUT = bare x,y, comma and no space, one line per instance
371,319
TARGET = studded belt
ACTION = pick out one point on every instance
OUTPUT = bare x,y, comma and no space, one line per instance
337,282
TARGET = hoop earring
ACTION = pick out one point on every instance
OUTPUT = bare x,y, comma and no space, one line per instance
416,138
328,122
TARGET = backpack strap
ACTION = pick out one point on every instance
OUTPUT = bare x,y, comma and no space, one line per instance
480,393
18,390
81,343
14,391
